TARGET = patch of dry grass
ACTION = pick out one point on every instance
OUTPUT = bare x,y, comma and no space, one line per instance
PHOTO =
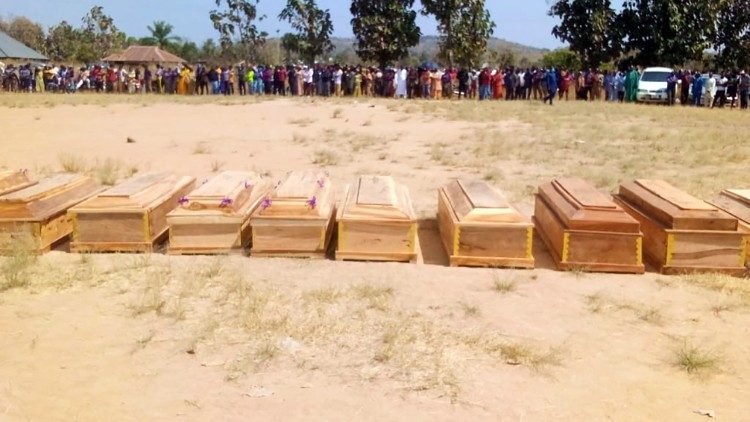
502,285
325,158
107,171
599,303
16,266
735,287
302,121
696,360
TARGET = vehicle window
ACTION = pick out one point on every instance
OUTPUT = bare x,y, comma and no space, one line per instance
655,76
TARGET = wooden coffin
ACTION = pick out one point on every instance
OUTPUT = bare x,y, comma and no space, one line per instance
376,222
11,181
296,219
215,217
130,217
38,212
737,203
683,233
478,227
585,230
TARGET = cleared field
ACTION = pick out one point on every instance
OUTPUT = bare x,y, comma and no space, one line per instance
168,337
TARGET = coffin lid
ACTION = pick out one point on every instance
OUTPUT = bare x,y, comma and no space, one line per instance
11,181
142,192
736,202
477,201
742,195
378,198
675,208
47,197
300,195
582,207
227,192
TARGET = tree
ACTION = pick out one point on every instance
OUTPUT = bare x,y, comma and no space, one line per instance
384,29
62,41
667,32
732,39
235,22
26,31
464,25
313,28
290,44
588,26
208,49
503,59
161,35
562,58
99,36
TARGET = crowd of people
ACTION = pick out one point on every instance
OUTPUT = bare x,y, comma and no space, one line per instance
427,82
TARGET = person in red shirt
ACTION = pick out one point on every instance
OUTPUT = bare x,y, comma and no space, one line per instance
484,84
498,80
565,81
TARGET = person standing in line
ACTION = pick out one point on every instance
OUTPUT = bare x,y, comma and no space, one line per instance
242,79
697,89
710,84
551,82
564,85
401,82
620,86
484,84
732,80
743,88
686,83
721,90
671,88
337,79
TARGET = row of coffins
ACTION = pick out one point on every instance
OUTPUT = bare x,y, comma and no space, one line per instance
582,228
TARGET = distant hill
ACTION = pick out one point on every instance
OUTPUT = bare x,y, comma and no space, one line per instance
427,49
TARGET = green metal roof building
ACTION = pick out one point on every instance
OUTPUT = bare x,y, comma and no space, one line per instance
11,48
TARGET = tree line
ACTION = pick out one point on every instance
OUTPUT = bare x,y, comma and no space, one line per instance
598,33
655,32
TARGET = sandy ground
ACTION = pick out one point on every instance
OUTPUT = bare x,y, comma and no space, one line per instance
119,337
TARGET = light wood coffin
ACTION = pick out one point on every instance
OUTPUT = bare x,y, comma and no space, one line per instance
39,211
478,227
682,233
296,219
737,203
130,217
585,230
215,217
376,222
11,181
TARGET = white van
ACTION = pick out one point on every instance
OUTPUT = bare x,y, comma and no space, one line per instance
652,87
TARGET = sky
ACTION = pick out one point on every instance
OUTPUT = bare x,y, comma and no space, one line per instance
522,21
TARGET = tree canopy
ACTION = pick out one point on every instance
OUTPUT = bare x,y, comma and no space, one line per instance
384,29
235,20
313,28
464,26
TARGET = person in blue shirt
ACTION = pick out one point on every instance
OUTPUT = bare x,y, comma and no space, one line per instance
551,82
620,86
697,89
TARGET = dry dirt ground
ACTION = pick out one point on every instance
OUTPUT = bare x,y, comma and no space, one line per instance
153,337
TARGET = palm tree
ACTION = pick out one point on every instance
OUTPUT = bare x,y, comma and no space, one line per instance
160,34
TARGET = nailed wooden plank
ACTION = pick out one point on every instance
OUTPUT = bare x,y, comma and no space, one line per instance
673,216
300,184
11,181
482,195
376,190
576,217
583,194
458,199
677,197
135,184
46,198
44,187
